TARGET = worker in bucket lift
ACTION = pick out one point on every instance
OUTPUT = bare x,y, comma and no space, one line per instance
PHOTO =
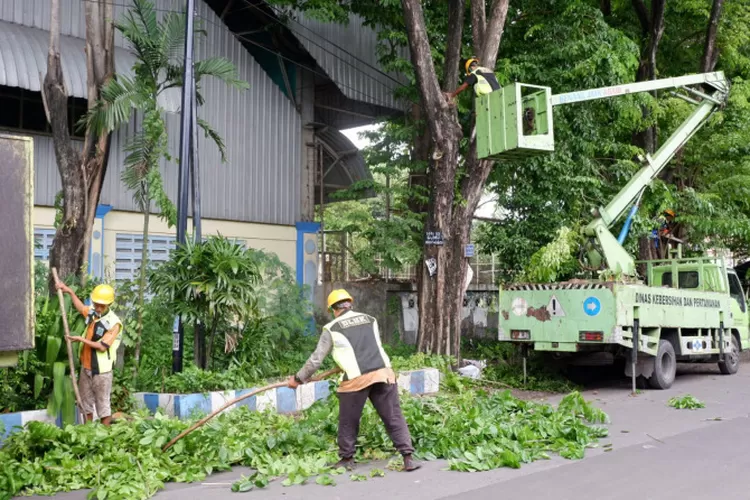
482,79
100,343
667,224
354,340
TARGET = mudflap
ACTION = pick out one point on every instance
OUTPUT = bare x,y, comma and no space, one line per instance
644,367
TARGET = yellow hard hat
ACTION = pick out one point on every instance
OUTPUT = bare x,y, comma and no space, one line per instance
338,296
669,212
103,294
469,63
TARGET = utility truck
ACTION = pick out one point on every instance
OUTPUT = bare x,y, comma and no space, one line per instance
677,309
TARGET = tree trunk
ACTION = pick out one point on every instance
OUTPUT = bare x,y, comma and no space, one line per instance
652,29
199,344
81,174
64,254
710,51
210,350
142,284
441,281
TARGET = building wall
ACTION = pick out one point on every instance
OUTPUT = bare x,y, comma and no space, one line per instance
260,182
278,239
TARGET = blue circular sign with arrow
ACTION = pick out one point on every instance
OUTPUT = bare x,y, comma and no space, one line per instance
592,306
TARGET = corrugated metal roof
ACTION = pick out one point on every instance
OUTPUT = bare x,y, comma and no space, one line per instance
348,55
23,62
261,181
350,166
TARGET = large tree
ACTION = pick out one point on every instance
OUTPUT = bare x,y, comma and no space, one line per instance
81,173
456,180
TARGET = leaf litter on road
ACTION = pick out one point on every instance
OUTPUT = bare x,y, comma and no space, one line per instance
473,430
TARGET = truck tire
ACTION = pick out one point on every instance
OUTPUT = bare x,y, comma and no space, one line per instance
665,366
731,362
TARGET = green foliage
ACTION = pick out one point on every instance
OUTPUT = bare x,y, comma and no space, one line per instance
686,402
556,260
382,230
215,282
41,377
157,44
504,366
473,430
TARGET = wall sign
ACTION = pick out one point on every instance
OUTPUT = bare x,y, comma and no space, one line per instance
469,250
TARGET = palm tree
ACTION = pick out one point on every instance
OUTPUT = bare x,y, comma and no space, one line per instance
158,47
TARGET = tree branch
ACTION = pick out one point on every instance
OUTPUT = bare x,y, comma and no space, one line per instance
478,24
453,49
424,68
710,52
642,13
494,33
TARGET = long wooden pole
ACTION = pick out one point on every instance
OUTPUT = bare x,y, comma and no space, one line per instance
72,365
205,419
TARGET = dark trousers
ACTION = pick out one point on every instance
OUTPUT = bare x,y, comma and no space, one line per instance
384,398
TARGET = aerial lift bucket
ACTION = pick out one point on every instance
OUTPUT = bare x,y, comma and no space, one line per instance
514,122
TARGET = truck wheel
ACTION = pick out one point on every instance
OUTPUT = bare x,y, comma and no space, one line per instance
665,366
731,362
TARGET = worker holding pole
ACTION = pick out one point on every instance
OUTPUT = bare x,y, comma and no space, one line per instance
354,340
100,343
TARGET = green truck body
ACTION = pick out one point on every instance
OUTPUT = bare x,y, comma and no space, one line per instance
703,317
644,316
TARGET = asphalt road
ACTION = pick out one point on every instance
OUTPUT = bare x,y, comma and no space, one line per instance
657,453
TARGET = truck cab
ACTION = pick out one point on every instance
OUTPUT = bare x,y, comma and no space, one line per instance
708,277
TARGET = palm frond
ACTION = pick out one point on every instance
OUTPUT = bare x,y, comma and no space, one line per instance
142,158
141,28
221,68
212,134
119,97
145,11
173,37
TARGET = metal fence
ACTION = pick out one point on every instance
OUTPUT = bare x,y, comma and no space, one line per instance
338,264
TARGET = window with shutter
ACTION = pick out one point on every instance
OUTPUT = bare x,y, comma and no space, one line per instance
43,242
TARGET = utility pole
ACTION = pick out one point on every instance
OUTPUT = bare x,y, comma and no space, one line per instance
183,182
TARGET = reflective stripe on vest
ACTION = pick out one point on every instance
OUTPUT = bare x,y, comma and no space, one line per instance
105,360
357,349
482,86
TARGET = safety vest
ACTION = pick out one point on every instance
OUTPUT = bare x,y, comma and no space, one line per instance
356,344
103,361
482,86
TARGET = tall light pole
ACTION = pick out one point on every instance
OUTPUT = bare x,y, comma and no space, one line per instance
183,180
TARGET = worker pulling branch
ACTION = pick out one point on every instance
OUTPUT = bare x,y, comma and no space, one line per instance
102,338
354,340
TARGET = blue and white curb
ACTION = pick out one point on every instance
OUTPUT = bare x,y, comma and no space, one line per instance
183,406
281,400
12,422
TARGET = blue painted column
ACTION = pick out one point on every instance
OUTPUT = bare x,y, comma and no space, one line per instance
96,249
307,260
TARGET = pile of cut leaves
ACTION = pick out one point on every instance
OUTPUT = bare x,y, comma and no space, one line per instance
474,430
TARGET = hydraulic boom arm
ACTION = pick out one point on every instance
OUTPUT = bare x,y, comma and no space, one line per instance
617,259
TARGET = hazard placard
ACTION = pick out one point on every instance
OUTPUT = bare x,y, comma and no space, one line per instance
555,308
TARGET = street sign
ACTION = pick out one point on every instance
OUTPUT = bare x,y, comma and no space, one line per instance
469,250
433,238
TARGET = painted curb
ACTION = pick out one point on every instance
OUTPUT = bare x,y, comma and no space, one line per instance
281,400
183,406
